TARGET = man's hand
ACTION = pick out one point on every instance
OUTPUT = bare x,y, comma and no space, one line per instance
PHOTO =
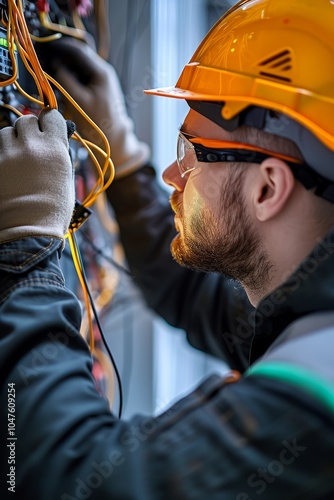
36,178
94,85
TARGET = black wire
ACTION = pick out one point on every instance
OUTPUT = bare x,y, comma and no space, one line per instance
98,323
102,254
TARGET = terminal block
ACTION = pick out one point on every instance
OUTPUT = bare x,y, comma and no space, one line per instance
6,66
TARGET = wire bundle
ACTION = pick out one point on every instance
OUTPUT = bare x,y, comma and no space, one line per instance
20,40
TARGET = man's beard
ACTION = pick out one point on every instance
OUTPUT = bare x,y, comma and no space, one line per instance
230,247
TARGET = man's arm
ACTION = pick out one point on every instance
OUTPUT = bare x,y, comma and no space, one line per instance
60,441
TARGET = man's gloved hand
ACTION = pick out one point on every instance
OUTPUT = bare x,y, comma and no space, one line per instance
36,178
94,85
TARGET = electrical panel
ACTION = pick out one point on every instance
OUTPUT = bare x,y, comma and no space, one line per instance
6,64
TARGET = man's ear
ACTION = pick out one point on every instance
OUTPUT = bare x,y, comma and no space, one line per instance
275,183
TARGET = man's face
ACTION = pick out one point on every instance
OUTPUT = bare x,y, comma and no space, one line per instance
215,231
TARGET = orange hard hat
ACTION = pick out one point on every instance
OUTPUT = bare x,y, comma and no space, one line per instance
275,55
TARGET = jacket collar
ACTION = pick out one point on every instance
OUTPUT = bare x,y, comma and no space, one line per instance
309,289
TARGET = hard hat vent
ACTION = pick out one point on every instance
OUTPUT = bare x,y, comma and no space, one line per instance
277,66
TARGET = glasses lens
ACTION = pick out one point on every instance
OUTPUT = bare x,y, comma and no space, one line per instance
185,154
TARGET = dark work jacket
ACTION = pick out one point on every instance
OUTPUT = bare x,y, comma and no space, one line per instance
270,435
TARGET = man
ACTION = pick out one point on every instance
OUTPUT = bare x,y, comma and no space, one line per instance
218,317
271,432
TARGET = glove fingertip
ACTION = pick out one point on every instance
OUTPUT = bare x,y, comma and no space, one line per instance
51,120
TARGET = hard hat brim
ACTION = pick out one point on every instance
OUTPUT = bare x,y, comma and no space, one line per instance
178,93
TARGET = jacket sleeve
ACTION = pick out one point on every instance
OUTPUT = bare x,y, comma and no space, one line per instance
60,440
213,311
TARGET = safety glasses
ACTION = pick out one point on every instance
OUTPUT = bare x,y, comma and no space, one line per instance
191,150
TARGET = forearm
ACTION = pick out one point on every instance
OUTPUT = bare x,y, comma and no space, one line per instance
66,444
61,425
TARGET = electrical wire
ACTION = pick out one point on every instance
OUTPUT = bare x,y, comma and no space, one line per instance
107,258
18,28
43,9
20,41
108,170
80,272
45,39
98,323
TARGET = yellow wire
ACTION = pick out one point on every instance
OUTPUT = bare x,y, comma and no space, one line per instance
81,111
76,261
108,164
19,39
111,177
45,39
18,35
91,198
17,30
28,96
77,137
51,100
11,108
65,30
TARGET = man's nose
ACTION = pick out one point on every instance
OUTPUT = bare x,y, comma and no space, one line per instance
172,177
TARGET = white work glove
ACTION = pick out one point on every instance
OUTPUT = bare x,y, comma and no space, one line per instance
94,85
36,178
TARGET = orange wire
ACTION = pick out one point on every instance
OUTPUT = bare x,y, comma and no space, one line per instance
17,16
18,34
19,38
